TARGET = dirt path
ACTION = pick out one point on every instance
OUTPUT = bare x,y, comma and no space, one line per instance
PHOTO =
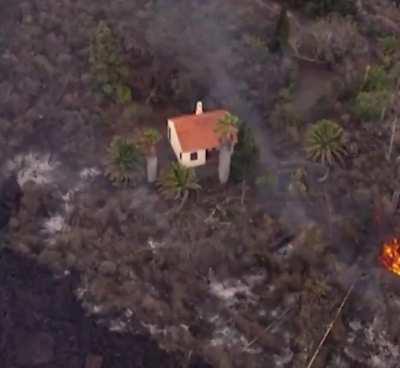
42,325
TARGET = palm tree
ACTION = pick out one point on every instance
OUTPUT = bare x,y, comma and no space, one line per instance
147,142
325,143
227,131
177,183
123,161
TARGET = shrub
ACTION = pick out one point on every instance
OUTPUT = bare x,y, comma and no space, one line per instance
110,73
369,106
123,162
390,44
246,155
330,40
324,142
377,79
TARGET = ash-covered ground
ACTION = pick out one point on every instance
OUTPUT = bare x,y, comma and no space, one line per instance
240,279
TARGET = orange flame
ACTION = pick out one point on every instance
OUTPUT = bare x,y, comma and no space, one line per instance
390,255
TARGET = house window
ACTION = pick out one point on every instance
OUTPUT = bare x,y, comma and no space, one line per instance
193,156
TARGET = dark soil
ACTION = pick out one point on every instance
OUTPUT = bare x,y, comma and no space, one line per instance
42,325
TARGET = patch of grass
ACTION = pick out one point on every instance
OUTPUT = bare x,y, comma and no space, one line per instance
369,106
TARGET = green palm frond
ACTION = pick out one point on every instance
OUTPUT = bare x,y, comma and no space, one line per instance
324,142
178,180
148,139
124,160
227,127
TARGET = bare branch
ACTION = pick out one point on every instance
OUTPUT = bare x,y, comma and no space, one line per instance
331,324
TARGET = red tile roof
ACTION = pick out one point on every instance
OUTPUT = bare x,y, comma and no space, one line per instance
196,132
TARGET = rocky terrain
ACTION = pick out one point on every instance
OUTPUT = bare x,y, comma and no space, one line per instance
246,275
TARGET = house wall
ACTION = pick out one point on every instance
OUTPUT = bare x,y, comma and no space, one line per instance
174,141
186,161
184,157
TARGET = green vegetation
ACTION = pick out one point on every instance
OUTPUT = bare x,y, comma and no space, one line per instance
246,155
268,181
227,131
374,97
227,127
109,71
377,79
282,31
178,181
148,139
369,106
124,161
324,142
390,45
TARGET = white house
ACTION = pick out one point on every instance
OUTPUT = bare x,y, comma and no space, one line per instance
193,136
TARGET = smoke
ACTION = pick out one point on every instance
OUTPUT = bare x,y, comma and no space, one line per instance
207,38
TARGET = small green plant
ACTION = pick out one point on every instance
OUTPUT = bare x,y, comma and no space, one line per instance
268,181
390,45
123,162
324,142
369,106
178,181
110,73
377,79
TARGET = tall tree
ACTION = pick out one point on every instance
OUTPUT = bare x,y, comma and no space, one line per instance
246,155
227,131
282,31
148,144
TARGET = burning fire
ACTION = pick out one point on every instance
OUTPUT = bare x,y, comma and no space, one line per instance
390,255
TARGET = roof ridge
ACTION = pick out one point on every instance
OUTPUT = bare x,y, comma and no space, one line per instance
193,115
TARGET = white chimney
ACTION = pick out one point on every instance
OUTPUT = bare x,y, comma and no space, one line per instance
199,108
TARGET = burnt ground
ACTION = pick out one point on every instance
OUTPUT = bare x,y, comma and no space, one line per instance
43,325
249,284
